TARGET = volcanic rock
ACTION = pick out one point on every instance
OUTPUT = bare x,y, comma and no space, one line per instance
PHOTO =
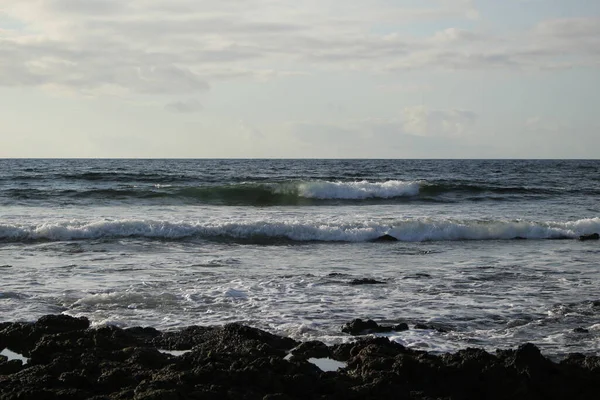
240,362
360,327
366,281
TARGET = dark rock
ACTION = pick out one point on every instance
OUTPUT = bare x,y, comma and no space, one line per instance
385,238
366,281
10,367
277,396
433,327
311,349
22,336
240,362
593,236
184,339
143,333
402,326
61,323
360,327
581,330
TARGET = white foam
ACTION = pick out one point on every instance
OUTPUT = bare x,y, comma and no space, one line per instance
412,230
357,190
127,299
175,353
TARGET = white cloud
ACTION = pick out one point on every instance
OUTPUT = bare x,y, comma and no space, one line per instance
417,132
416,121
178,46
184,106
544,125
421,121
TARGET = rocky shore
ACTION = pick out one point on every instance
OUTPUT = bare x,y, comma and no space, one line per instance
69,360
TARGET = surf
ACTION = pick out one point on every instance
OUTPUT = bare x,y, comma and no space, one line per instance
274,229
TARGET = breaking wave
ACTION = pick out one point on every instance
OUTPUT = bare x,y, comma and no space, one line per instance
265,231
357,190
312,192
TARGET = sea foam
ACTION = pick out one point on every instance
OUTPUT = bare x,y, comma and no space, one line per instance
357,190
410,230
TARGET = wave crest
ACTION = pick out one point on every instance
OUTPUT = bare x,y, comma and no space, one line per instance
357,190
265,231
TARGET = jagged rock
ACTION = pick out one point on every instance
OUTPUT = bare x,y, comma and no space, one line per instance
360,327
433,327
184,339
240,362
61,323
366,281
310,349
581,330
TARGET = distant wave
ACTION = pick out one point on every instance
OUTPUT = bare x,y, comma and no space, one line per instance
312,192
246,193
265,231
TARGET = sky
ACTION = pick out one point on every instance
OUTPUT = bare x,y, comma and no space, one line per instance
300,79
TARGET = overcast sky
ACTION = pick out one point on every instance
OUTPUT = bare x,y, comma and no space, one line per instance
309,78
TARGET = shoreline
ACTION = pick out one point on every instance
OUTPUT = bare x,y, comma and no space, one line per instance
69,360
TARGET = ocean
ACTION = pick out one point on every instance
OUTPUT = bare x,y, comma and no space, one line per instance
487,250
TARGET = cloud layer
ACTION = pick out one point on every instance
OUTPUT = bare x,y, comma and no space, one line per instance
176,47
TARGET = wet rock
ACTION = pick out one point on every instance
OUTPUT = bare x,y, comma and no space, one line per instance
593,236
240,362
433,327
9,366
244,339
184,339
581,330
385,238
311,349
61,323
21,337
360,327
366,281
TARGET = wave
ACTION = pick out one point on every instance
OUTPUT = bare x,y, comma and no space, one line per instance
313,192
357,190
245,193
267,231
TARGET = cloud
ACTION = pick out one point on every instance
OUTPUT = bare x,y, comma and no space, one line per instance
149,47
416,121
416,133
184,106
544,125
421,121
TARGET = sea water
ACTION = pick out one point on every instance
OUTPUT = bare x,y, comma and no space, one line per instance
487,249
